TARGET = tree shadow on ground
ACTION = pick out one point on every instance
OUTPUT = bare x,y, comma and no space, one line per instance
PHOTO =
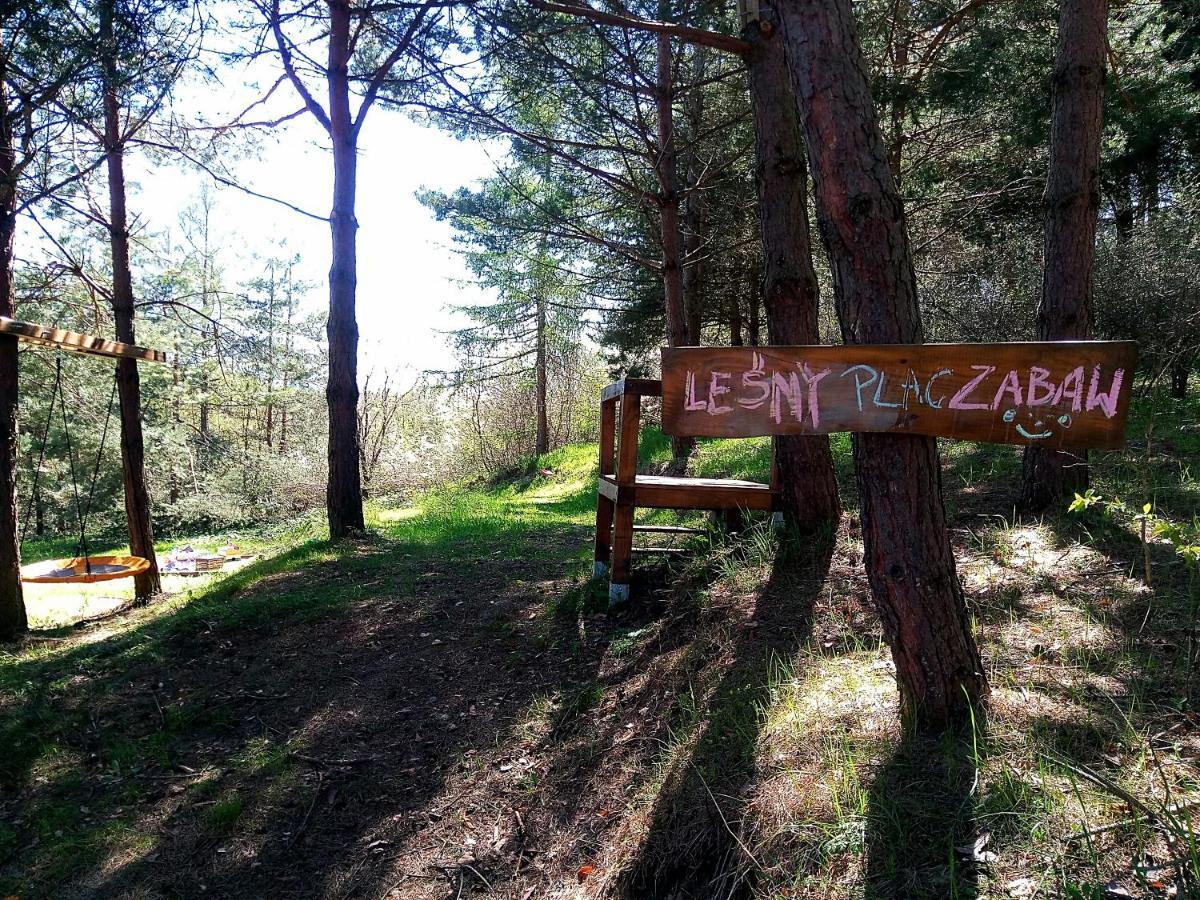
281,740
1155,621
691,848
920,822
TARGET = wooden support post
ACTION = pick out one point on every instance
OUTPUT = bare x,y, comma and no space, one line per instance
618,586
604,524
604,505
627,448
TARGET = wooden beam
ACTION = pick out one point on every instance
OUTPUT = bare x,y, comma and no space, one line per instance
643,387
75,342
668,529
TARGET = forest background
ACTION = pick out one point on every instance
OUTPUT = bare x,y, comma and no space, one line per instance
559,233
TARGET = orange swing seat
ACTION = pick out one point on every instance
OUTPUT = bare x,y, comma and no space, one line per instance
87,570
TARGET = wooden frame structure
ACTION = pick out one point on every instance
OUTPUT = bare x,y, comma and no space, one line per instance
75,342
621,490
1053,394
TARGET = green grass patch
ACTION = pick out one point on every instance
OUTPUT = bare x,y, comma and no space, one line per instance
223,815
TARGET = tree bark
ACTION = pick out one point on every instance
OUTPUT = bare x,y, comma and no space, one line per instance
1122,200
806,477
542,440
13,620
909,561
901,31
695,212
1072,204
752,325
667,169
288,348
137,498
270,398
344,493
1181,370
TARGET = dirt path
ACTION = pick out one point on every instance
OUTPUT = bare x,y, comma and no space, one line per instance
434,738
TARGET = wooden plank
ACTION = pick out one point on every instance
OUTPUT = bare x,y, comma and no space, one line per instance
1056,394
608,487
668,529
75,342
643,387
662,492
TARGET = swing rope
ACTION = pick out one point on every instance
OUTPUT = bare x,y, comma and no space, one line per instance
82,511
62,404
37,472
95,471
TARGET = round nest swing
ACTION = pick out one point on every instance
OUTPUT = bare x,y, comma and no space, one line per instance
90,569
84,568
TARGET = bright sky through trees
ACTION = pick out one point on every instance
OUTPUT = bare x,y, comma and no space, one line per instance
407,273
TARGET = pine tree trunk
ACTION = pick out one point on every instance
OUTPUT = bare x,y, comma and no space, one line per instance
695,212
1072,204
288,345
667,169
137,498
542,440
1180,370
752,324
908,558
13,621
344,492
806,477
270,398
901,37
736,338
1123,208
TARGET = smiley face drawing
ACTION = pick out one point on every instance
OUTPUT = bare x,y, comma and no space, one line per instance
1041,428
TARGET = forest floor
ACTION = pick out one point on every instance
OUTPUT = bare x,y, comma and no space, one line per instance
444,708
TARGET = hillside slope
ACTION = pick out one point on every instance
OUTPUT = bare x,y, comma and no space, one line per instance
444,708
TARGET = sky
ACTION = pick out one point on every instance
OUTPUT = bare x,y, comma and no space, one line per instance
407,272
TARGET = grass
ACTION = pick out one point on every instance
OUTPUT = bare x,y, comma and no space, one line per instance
762,682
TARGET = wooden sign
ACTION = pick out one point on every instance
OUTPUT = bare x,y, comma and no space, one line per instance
1061,394
61,339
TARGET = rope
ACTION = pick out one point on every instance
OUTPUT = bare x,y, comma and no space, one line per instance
82,511
87,510
37,472
82,549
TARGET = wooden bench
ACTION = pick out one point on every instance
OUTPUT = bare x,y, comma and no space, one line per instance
621,490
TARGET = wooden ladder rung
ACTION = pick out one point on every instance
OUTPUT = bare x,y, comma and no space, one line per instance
669,529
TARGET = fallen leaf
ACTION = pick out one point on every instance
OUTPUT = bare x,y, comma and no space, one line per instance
584,872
